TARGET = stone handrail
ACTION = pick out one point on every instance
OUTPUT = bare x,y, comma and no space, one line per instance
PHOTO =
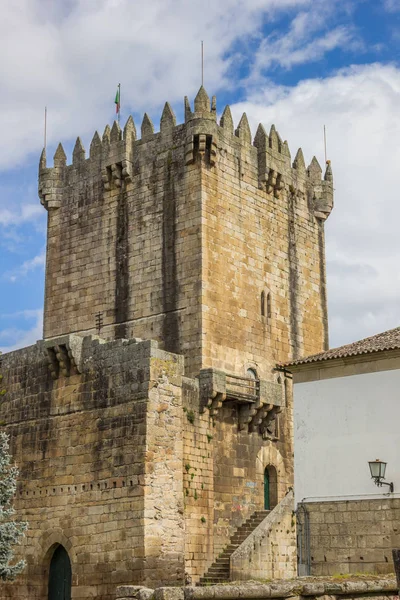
242,560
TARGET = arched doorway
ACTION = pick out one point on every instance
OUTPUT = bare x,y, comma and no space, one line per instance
60,575
270,487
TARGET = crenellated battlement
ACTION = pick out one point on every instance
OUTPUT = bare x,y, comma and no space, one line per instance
193,235
114,155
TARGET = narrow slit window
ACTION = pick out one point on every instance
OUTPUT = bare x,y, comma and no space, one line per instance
263,303
269,306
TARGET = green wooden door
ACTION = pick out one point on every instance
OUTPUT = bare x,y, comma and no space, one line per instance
267,504
60,575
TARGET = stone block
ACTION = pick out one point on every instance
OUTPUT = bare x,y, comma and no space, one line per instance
133,591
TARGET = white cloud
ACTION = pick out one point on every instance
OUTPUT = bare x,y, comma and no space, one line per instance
24,213
71,55
308,39
392,5
27,266
359,106
13,338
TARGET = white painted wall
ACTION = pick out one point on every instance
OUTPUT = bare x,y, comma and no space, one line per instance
339,425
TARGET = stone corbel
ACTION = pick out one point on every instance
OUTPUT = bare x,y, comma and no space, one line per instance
64,361
116,174
212,385
274,182
106,177
127,171
54,365
215,403
268,420
259,416
270,180
246,414
202,148
63,355
279,186
50,198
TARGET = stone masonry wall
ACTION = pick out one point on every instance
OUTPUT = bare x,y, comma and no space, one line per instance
240,459
270,551
127,248
198,483
183,235
96,449
258,240
223,472
354,536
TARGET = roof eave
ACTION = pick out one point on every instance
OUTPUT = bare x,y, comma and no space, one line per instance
337,360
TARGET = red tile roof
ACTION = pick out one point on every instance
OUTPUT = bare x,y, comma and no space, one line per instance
388,340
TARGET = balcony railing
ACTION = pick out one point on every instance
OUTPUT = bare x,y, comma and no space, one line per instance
242,389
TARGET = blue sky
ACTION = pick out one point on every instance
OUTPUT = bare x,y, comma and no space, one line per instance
297,63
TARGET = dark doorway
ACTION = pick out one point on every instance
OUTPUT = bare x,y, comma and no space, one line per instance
266,490
270,487
60,575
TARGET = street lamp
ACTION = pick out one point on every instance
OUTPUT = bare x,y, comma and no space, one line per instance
378,469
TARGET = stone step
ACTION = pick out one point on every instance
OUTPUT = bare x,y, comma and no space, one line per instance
220,569
250,525
208,580
222,560
215,571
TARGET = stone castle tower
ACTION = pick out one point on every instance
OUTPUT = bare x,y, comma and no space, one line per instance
152,421
194,236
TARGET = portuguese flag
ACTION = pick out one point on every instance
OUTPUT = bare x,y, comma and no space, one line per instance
118,99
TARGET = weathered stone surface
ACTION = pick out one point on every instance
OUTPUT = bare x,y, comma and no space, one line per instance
134,591
196,240
169,593
352,536
270,550
135,235
96,450
296,589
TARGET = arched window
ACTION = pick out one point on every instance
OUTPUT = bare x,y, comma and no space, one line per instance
270,487
251,373
60,575
266,304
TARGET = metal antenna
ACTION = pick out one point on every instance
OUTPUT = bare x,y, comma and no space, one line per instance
202,63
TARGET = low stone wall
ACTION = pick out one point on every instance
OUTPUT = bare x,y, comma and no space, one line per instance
354,536
373,588
270,550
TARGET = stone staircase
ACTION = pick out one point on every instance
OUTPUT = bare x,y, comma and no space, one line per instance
220,569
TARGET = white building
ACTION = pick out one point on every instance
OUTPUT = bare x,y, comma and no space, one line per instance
346,413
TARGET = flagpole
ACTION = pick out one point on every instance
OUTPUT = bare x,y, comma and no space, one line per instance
119,96
202,63
45,127
325,142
